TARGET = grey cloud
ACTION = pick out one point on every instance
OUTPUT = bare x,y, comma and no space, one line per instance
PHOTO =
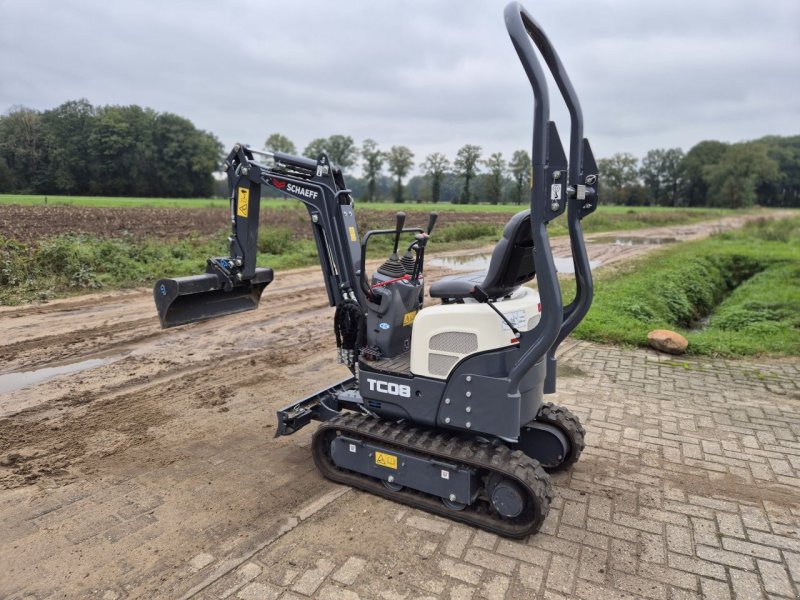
431,75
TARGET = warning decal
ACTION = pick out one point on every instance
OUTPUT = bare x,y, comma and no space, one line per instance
386,460
352,231
243,203
408,318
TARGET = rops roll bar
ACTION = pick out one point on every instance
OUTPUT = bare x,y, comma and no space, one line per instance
547,201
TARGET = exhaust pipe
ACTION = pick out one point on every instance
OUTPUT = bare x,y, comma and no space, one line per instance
182,300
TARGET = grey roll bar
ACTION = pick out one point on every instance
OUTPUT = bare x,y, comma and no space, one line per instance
557,321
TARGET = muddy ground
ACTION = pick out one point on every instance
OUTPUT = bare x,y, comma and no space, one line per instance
158,415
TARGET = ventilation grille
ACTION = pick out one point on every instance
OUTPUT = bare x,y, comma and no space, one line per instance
440,364
456,342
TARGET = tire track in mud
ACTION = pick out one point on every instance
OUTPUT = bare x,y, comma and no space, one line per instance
40,442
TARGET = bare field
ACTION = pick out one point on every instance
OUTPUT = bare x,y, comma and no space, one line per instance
34,223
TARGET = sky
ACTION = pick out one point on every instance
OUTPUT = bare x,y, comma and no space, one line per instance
429,74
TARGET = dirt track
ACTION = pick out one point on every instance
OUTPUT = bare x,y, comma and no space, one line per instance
167,405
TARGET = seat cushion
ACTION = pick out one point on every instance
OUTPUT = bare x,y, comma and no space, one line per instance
456,287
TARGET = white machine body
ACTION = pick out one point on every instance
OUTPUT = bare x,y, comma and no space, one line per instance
445,333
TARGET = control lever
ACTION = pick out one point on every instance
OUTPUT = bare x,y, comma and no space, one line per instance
432,221
401,220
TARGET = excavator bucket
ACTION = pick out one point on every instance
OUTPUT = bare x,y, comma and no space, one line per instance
184,300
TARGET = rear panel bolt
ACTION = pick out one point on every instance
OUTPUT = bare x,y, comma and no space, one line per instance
447,400
447,419
469,424
555,205
469,378
391,479
452,497
469,409
469,394
556,174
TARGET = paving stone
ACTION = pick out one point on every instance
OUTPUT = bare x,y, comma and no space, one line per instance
642,588
694,565
522,552
775,578
461,592
457,540
751,549
668,576
745,585
490,560
793,563
310,580
732,559
228,586
427,524
714,590
495,587
593,565
679,539
531,576
350,570
259,591
561,575
458,570
333,592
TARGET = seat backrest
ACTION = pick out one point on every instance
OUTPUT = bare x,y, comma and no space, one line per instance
512,258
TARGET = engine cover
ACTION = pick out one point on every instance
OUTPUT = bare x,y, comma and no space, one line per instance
446,333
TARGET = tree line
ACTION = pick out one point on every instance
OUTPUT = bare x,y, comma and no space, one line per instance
461,181
79,149
764,171
712,173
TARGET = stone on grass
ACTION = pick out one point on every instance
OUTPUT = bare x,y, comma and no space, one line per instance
667,341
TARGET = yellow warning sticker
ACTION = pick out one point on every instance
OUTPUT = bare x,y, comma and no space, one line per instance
408,318
386,460
243,203
352,234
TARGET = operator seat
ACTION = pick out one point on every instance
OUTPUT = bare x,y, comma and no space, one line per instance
511,266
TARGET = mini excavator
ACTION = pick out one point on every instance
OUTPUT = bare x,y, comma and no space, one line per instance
444,409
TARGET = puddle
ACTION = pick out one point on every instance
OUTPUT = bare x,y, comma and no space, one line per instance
468,262
634,240
480,262
564,264
15,381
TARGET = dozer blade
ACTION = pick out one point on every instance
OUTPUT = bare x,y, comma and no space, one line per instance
199,297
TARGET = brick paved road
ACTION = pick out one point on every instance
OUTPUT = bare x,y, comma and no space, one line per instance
689,487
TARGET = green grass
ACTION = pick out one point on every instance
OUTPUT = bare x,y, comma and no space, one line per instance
112,202
747,282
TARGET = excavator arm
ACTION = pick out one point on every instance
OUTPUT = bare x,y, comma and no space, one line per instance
234,283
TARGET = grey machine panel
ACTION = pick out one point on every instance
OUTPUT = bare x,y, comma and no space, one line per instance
442,479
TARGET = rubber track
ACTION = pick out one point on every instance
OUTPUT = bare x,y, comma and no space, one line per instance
568,423
449,448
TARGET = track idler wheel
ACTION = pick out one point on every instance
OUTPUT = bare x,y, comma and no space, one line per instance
506,497
555,438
